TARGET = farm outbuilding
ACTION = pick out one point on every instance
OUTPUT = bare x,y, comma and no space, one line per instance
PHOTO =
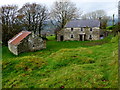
26,41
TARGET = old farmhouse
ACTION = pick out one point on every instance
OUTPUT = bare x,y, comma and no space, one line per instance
26,41
80,30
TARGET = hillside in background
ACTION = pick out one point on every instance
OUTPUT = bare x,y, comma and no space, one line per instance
72,64
48,28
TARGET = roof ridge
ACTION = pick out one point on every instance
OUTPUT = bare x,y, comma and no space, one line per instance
15,37
82,23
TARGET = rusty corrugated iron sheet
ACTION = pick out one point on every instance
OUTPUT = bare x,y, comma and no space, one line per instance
19,37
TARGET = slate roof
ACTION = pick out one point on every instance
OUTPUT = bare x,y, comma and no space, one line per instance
19,37
83,23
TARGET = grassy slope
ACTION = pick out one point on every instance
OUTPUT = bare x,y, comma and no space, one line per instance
70,64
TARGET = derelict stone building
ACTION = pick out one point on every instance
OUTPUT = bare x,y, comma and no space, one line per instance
26,41
80,30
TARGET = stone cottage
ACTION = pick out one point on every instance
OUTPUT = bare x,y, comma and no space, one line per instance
26,41
80,30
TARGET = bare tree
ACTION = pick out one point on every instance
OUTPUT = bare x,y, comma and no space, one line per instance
94,15
62,12
8,14
98,14
33,16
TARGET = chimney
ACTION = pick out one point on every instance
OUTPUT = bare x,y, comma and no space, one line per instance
113,21
100,22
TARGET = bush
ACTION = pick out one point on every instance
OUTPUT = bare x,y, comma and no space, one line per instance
110,27
114,39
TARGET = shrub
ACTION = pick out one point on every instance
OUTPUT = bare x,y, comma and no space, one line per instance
110,27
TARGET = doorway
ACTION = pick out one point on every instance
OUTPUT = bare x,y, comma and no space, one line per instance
61,38
80,37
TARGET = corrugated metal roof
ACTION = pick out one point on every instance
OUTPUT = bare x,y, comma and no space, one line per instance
19,37
83,23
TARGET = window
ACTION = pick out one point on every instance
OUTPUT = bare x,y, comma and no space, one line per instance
71,29
90,37
33,45
90,29
71,36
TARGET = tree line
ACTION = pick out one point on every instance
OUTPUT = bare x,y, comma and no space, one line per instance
30,17
33,17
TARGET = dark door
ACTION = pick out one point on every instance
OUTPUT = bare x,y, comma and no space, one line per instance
84,37
61,38
80,38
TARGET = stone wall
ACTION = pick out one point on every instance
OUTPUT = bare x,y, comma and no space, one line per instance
36,43
76,32
23,46
13,48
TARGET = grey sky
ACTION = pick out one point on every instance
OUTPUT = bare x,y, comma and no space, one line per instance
110,6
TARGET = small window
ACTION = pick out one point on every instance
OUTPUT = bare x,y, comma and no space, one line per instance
90,29
90,37
71,36
71,29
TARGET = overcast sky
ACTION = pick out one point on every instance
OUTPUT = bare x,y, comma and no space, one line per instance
110,6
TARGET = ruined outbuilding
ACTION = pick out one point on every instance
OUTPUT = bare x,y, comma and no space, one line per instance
26,41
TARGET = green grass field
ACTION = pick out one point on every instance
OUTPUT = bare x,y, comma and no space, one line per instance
72,64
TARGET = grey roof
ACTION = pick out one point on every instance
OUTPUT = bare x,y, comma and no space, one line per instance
83,23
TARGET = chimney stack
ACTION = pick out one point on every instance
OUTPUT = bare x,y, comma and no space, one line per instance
100,22
113,21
